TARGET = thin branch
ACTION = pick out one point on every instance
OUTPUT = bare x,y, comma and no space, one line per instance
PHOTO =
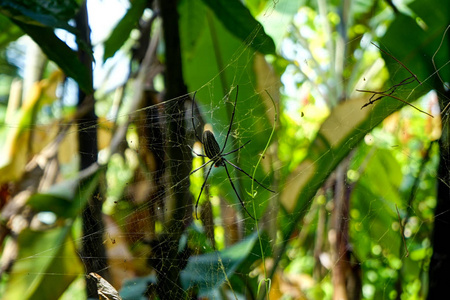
406,68
396,98
402,230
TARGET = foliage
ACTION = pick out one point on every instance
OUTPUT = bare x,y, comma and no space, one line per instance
319,53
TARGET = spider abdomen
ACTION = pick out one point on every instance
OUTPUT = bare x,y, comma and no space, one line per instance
212,149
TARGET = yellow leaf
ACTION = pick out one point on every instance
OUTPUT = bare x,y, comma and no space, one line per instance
20,140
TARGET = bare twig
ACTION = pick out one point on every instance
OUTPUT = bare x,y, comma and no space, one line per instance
392,89
406,68
396,98
402,230
437,71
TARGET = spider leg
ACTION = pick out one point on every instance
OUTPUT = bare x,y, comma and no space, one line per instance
202,155
203,185
236,149
237,194
231,121
209,161
239,169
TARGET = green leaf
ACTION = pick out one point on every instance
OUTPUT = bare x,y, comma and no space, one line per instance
192,26
122,30
8,32
209,271
66,199
374,198
254,113
47,264
60,53
383,176
48,202
407,42
239,21
53,13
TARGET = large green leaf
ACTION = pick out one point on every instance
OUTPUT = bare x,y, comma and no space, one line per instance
209,271
122,30
60,53
239,21
46,265
415,46
373,199
221,70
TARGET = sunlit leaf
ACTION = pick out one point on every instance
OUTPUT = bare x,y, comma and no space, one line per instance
122,30
14,155
238,20
341,132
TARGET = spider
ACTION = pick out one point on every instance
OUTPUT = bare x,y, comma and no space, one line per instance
217,157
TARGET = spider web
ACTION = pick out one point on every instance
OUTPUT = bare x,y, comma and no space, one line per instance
219,249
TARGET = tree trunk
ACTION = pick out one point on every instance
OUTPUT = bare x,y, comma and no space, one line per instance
170,261
93,252
440,261
346,274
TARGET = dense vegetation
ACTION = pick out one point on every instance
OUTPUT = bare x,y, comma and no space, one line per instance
345,105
